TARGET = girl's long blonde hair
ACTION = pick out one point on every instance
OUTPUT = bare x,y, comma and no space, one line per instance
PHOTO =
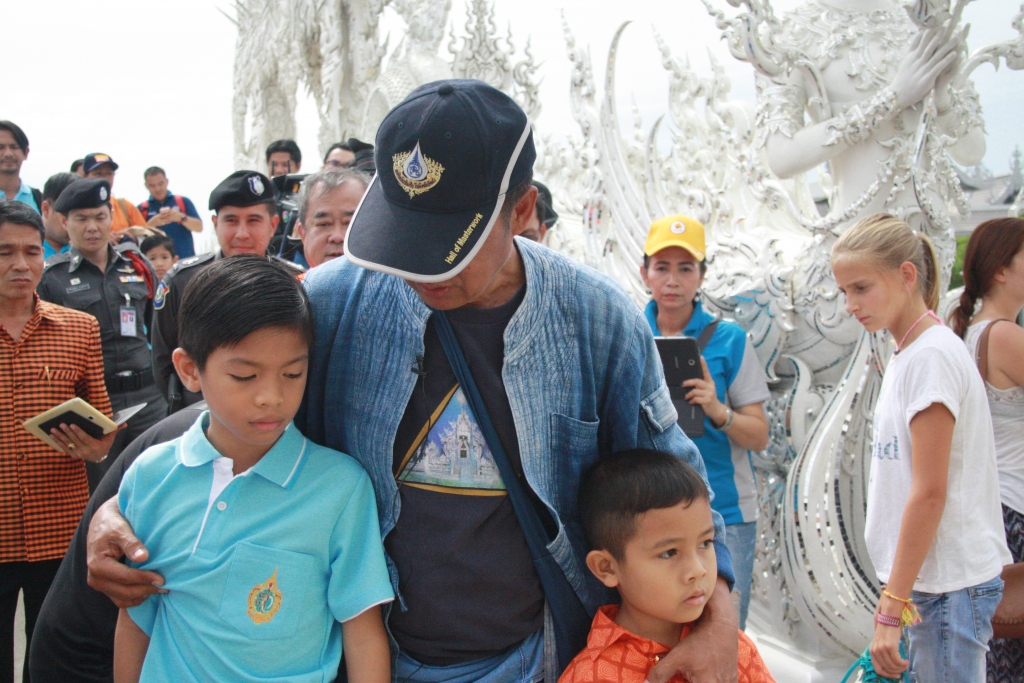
889,242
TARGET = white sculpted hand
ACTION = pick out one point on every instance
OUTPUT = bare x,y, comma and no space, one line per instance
928,57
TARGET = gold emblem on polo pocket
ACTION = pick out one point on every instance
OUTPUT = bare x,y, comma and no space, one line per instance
264,600
415,171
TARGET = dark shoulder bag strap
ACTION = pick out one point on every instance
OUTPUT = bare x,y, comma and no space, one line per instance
569,616
982,354
707,333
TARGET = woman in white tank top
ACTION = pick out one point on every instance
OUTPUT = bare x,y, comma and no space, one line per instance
994,274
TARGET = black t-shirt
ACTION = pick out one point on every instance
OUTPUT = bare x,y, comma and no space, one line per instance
73,641
465,572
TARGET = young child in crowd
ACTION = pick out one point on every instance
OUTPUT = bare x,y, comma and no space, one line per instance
269,544
160,252
934,528
646,517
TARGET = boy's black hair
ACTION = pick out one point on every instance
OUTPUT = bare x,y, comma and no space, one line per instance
289,146
56,184
236,296
623,486
154,241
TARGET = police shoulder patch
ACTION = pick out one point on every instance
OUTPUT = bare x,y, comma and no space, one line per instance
160,297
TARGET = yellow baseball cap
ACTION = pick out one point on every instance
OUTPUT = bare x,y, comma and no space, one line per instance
676,231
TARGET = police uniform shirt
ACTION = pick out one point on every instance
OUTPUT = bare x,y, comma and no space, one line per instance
166,302
118,298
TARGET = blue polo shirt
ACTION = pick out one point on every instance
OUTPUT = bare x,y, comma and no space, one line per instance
739,381
261,568
179,234
49,251
24,196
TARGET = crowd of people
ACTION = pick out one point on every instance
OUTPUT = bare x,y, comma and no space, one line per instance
452,454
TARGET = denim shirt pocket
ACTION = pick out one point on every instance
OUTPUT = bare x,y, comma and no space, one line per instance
266,591
574,446
658,409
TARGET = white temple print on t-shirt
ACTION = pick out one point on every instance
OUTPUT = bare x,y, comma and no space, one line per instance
453,457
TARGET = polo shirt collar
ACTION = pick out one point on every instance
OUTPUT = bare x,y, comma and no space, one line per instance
604,633
47,311
158,202
279,465
698,321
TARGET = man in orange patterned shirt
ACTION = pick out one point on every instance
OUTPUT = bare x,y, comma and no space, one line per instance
48,354
646,518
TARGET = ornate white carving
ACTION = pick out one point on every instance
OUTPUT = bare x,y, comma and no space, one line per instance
333,48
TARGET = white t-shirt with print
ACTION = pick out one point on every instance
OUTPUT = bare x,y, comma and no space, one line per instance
970,545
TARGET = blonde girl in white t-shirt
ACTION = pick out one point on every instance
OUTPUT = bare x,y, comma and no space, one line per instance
934,526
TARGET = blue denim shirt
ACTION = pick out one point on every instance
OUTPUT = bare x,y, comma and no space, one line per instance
581,371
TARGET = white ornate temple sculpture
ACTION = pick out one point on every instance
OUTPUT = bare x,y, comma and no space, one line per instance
838,84
333,49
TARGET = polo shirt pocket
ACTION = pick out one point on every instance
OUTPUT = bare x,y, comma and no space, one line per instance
266,591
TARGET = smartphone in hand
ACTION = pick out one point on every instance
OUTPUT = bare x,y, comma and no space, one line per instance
680,357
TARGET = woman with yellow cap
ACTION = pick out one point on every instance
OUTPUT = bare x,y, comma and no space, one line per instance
731,393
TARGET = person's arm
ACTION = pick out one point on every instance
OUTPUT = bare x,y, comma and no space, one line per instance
130,645
191,219
367,652
818,143
164,336
111,538
1005,349
931,436
749,427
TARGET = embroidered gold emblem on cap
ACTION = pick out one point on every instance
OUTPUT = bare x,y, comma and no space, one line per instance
264,600
415,171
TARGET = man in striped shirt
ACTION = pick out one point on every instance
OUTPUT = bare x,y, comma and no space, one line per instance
48,354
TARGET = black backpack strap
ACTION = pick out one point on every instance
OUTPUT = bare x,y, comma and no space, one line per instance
568,615
707,333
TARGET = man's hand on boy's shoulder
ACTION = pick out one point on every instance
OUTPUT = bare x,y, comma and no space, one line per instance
710,653
110,539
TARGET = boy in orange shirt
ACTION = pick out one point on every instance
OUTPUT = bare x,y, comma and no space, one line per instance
647,520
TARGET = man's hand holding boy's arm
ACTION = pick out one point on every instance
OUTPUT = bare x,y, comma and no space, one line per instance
111,538
710,653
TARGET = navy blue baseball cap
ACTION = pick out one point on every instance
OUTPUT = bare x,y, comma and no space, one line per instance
446,156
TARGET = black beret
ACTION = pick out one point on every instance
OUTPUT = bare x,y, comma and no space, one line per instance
84,193
243,188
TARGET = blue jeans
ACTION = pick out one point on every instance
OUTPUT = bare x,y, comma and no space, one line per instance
522,664
741,540
950,643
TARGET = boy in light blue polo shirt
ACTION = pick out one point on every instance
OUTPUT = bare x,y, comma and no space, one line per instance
269,544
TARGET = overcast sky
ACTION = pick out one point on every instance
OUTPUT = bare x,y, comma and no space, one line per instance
150,82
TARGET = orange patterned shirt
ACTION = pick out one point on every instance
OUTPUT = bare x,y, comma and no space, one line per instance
614,655
43,492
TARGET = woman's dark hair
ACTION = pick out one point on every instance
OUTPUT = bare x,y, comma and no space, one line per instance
236,296
625,485
20,214
56,184
703,264
992,246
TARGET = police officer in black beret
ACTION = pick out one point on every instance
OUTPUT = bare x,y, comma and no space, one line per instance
245,220
116,286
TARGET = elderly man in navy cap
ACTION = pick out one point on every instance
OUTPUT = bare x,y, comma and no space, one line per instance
244,220
475,376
